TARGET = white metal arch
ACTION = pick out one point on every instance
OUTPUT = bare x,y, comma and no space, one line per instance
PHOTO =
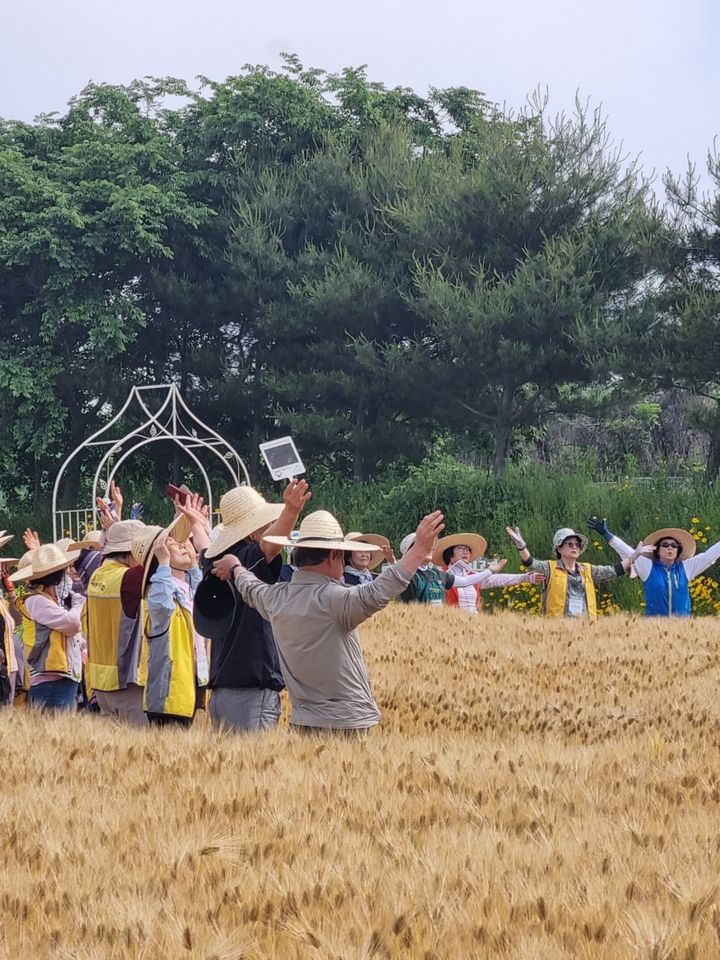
173,421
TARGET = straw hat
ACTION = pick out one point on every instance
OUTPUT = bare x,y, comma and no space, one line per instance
376,556
564,533
685,539
43,561
477,544
91,541
321,531
243,511
5,537
119,536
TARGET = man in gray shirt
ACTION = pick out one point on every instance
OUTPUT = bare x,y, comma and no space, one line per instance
315,619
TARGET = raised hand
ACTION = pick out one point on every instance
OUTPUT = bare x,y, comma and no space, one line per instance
599,525
516,537
117,499
497,565
642,550
194,509
296,494
106,518
428,530
31,539
387,552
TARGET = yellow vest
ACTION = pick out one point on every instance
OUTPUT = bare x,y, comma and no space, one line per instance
45,649
170,685
111,636
557,587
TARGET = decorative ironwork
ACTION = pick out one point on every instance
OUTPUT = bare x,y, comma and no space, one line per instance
173,421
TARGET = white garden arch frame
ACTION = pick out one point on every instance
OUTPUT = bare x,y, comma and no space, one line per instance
173,421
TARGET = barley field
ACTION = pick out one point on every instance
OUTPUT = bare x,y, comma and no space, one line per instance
536,790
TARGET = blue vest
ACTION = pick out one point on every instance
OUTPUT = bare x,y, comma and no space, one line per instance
667,592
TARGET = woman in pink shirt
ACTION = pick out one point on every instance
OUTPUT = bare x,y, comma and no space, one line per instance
51,630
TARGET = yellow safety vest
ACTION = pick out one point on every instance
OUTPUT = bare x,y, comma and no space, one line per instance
557,588
170,684
45,648
111,635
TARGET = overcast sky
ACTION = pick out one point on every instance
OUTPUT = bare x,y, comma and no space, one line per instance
652,64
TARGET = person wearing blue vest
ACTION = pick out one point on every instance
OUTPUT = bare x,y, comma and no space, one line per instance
667,572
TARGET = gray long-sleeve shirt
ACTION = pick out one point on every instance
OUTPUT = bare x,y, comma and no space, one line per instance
314,620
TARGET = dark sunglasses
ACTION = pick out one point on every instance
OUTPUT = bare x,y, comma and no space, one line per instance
669,543
572,542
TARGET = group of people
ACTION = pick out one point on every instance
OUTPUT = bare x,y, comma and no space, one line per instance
139,621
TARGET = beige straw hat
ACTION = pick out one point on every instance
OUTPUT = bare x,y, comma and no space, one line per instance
43,561
119,536
243,511
376,556
477,544
321,531
685,539
91,541
5,537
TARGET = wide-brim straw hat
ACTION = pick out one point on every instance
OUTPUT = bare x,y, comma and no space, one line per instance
376,556
5,537
91,541
43,561
8,560
477,544
685,539
243,511
320,531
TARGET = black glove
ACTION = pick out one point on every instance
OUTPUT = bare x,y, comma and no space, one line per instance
600,526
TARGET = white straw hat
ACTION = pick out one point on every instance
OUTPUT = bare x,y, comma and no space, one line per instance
477,544
43,561
5,537
243,511
321,531
376,556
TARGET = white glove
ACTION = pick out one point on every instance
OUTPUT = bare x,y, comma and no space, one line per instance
641,550
516,537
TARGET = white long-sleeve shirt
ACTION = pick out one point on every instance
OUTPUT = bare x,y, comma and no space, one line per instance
467,596
694,566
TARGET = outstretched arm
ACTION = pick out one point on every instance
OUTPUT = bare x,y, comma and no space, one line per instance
694,566
296,495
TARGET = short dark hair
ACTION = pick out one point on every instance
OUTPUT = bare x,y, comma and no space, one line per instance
119,555
51,580
447,555
309,556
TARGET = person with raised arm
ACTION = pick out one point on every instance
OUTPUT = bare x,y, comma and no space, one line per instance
569,588
245,675
667,569
315,620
